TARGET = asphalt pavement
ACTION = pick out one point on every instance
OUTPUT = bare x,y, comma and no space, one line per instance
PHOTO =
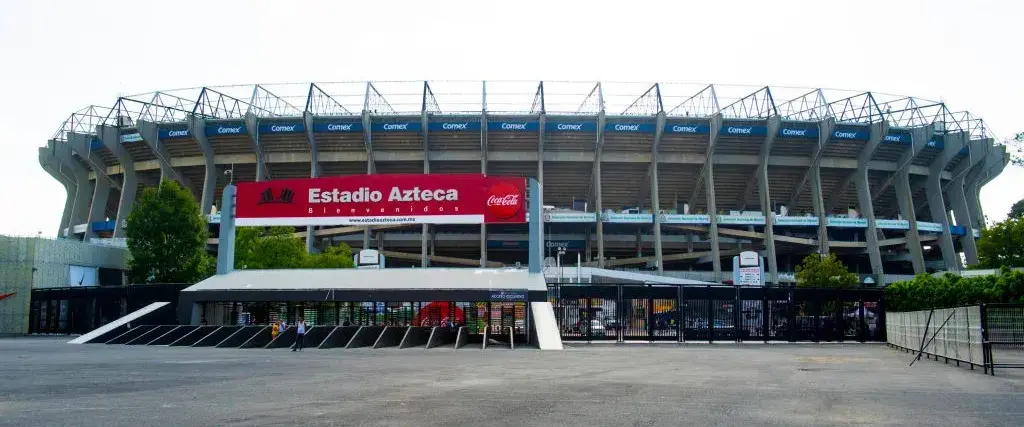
45,382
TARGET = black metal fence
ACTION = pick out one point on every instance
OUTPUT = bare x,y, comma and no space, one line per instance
635,312
81,309
1003,335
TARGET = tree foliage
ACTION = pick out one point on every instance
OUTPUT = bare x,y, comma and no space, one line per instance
278,247
817,271
167,237
950,290
1002,244
1017,210
1015,147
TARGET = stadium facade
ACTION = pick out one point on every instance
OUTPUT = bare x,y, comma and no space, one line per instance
670,178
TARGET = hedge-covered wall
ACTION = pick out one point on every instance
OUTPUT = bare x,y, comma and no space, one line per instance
950,290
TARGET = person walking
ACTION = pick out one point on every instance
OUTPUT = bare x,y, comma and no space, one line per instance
300,332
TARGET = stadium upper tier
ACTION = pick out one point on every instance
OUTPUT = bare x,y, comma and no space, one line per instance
765,155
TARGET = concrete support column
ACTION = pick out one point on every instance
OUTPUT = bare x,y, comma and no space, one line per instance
709,191
595,177
905,200
150,133
425,228
958,199
371,166
483,169
817,200
659,130
129,184
314,170
197,128
764,196
52,166
952,143
82,145
252,123
866,205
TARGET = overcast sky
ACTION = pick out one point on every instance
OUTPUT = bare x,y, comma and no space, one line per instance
59,56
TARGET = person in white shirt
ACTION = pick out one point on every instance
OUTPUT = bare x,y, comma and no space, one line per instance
300,332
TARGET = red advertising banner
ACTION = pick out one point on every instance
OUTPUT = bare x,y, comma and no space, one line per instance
382,199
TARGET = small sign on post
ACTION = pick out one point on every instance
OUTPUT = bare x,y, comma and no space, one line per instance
747,269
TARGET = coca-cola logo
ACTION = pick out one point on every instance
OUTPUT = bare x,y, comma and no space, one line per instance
504,200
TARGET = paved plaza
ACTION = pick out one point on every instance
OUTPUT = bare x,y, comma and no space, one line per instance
45,382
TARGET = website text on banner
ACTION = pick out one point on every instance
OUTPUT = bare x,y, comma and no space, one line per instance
382,200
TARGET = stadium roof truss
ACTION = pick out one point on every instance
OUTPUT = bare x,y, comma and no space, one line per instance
522,98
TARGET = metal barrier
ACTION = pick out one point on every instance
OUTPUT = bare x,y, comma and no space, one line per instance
679,313
1003,332
989,335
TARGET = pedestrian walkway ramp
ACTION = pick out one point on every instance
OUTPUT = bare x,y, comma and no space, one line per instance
391,336
339,337
120,326
441,336
260,339
283,340
415,336
315,336
173,335
194,336
153,334
217,336
365,336
240,337
131,334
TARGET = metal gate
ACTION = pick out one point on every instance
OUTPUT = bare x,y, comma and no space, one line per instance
637,312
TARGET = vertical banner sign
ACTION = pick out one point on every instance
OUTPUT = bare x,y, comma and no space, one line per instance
382,200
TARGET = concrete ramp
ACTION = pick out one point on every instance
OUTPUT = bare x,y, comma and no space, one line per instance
391,336
217,336
133,333
545,332
240,336
315,336
365,336
194,336
415,336
284,339
461,337
440,336
339,337
151,335
110,330
173,335
260,339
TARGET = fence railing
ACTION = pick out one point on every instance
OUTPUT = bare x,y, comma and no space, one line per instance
637,312
988,336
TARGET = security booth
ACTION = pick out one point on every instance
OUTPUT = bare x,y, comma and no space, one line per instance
491,302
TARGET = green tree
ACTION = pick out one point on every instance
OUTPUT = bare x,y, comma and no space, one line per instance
1017,210
167,237
817,271
1015,147
1002,244
279,247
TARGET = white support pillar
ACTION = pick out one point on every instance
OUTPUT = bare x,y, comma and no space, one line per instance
52,165
197,128
866,205
314,170
112,140
595,177
659,130
709,191
252,123
764,190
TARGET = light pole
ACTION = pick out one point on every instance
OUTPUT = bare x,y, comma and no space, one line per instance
561,251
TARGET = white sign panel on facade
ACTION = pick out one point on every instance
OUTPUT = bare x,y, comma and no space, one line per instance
892,224
627,218
685,219
750,276
749,259
741,219
585,217
847,222
798,221
932,227
83,276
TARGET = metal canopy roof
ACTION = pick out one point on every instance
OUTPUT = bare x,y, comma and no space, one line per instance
373,279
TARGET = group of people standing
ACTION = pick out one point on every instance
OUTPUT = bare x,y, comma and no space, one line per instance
280,326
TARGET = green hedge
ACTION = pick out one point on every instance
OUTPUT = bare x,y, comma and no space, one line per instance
950,290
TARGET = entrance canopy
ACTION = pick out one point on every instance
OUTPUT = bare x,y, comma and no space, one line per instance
412,284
